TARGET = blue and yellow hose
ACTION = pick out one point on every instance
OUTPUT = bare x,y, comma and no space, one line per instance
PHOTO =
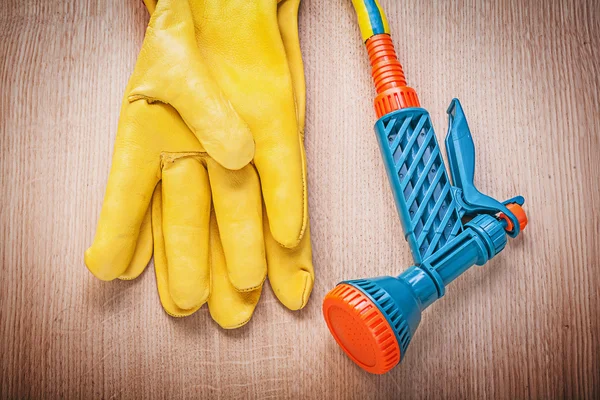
371,18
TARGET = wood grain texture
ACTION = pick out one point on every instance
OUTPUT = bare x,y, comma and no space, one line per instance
524,326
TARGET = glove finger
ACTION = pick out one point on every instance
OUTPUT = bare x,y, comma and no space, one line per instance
287,18
160,260
186,212
238,209
281,165
143,250
228,307
291,273
133,176
171,70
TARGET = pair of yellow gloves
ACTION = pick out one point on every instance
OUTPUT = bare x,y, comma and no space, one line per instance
209,169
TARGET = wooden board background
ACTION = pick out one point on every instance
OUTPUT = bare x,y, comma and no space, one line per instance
525,326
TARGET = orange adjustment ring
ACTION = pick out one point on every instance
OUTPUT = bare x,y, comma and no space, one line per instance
518,211
361,330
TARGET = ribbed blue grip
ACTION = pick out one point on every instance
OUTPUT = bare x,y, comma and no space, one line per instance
420,184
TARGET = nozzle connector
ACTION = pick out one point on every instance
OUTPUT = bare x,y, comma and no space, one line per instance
388,76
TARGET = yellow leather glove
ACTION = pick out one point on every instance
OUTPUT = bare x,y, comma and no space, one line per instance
235,78
239,41
153,141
